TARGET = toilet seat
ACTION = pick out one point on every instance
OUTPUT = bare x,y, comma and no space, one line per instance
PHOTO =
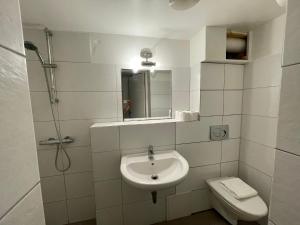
250,208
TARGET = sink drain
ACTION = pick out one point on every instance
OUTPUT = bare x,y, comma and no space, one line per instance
154,177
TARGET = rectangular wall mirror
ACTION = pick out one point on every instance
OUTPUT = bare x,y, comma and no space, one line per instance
146,94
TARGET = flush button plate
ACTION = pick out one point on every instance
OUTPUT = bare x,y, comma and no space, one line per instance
219,132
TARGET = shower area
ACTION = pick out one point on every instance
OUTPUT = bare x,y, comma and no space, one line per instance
63,143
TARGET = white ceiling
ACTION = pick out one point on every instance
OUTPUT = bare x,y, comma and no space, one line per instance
152,18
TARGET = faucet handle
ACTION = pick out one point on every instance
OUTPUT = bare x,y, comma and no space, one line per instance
150,147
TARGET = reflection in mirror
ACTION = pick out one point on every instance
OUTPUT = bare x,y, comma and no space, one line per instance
146,94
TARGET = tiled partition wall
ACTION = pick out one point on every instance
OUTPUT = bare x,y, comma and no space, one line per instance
119,203
89,91
285,200
262,80
20,190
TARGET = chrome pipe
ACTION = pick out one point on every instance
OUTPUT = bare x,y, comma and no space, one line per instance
51,66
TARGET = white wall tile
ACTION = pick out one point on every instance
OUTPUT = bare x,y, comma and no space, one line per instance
211,103
79,185
260,129
195,101
125,50
212,76
233,102
29,210
87,105
110,216
180,101
289,120
258,156
197,177
230,150
85,77
106,165
46,160
140,150
77,129
200,200
268,38
71,46
200,154
181,79
139,136
108,194
18,157
285,200
81,209
261,101
256,179
178,206
105,139
195,77
81,159
56,213
187,132
229,169
53,189
144,213
132,194
234,123
263,72
184,204
11,26
41,106
36,76
234,76
292,34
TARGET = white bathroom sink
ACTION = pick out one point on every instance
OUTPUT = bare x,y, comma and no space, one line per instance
167,169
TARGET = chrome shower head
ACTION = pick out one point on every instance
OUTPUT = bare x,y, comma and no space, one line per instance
31,47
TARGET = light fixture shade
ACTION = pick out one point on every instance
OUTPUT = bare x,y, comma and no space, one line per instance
182,4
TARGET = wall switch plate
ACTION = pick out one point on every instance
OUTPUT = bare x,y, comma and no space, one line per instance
219,132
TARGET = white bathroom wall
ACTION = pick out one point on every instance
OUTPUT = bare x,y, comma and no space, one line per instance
119,203
221,104
89,90
261,96
20,194
286,183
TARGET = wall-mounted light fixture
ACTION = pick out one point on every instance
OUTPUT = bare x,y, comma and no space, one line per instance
146,53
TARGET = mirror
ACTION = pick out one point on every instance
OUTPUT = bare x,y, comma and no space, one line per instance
146,94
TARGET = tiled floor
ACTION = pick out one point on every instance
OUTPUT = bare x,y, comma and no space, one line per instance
209,217
88,222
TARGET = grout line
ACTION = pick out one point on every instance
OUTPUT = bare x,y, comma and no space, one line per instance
263,87
249,140
263,116
254,168
19,201
288,65
13,51
291,153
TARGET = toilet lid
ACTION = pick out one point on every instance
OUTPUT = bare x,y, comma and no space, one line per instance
253,206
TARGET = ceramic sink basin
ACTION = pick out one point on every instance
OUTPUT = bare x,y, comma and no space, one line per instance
167,169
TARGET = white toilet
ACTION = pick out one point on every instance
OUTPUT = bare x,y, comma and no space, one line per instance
232,209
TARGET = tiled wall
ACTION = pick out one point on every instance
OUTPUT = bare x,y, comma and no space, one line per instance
21,201
119,203
261,96
89,91
285,198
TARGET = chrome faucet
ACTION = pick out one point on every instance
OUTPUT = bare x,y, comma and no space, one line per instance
150,152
